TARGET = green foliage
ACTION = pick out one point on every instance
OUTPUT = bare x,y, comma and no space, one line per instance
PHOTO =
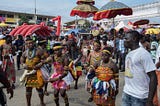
23,19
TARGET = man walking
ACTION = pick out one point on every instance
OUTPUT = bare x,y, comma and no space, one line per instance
140,77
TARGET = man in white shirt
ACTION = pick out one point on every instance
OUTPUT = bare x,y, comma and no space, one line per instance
140,77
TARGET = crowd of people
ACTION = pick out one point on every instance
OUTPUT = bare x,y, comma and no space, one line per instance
100,56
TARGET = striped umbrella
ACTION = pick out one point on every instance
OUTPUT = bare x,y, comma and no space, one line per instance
84,10
92,2
112,9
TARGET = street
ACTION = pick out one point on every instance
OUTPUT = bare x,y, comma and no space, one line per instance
77,97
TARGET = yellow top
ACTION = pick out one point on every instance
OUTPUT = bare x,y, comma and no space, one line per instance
32,62
2,42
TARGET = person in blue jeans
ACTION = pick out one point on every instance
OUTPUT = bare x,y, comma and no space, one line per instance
140,77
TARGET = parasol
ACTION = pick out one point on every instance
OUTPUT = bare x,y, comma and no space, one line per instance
112,9
153,31
92,2
141,22
84,10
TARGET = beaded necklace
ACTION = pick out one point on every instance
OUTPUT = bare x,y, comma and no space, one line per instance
31,54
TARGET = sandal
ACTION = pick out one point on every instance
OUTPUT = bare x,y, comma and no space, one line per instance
90,99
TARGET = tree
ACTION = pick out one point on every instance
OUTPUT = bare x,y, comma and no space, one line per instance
23,19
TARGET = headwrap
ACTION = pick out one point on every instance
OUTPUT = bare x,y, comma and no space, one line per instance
106,51
42,42
29,40
95,43
57,47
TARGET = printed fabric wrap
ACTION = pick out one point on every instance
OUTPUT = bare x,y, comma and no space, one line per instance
75,71
36,80
104,87
58,71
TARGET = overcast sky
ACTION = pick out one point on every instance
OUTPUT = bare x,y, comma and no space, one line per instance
56,7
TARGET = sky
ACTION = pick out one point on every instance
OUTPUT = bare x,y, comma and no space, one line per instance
57,7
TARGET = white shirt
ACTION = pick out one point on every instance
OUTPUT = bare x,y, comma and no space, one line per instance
153,52
121,46
110,43
138,63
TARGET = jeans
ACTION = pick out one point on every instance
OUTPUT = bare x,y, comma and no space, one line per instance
128,100
122,61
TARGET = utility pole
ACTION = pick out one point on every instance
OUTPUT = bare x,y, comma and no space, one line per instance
35,12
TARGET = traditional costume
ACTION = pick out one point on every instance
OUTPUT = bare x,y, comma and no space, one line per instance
58,71
34,80
104,87
8,63
94,58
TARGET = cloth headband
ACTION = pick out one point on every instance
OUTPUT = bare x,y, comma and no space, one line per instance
57,47
106,51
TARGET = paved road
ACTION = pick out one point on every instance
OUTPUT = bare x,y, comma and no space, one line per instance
77,97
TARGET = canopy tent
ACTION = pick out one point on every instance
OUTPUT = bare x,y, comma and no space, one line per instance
25,30
2,24
153,31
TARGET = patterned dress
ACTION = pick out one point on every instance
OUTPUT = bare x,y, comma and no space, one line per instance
104,87
8,63
58,71
35,80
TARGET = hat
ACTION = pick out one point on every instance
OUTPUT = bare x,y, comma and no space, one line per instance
28,40
42,41
57,46
2,36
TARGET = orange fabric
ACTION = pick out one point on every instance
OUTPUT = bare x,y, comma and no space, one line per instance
104,73
40,78
155,99
75,73
99,100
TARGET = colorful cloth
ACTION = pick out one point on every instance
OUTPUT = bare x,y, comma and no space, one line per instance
94,57
156,99
104,87
75,71
35,80
8,63
58,71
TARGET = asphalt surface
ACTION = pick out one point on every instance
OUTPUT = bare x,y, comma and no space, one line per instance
77,97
